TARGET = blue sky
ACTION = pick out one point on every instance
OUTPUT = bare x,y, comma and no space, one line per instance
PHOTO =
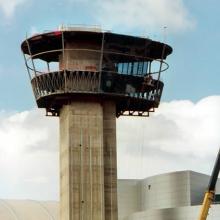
185,127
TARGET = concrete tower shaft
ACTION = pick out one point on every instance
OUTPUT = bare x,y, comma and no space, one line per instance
90,78
77,58
88,161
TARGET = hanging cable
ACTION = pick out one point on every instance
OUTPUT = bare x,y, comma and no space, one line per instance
161,60
142,150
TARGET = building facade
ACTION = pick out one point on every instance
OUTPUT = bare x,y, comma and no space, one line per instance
170,196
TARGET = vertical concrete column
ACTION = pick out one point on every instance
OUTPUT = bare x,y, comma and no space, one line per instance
110,160
79,57
81,162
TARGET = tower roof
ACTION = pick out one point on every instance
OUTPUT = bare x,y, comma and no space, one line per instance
126,44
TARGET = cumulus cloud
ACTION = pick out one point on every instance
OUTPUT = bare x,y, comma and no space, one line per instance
180,135
141,14
28,155
9,7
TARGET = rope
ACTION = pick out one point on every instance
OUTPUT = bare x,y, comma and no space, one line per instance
142,150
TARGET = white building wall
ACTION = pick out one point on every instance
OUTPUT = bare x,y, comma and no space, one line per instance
165,191
129,198
171,196
179,213
198,186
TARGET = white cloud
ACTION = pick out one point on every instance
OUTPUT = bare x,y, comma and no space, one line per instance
179,135
33,30
29,155
9,6
146,15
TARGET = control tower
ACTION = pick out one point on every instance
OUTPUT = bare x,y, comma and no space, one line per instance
89,77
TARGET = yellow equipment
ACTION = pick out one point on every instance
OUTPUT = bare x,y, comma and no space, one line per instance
210,193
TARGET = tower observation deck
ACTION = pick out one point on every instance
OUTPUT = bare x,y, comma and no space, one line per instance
88,77
70,65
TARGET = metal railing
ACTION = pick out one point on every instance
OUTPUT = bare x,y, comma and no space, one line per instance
112,57
117,73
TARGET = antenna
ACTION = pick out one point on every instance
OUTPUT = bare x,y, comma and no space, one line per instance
164,34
